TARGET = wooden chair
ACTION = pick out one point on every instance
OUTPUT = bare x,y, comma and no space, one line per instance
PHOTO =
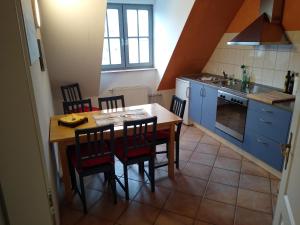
94,155
71,92
111,102
177,107
77,106
136,147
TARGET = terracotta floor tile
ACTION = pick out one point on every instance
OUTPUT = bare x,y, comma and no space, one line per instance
193,137
134,188
203,158
209,140
228,164
254,200
255,183
221,193
156,199
168,218
197,170
225,177
253,169
183,204
92,196
139,214
249,217
216,212
92,220
208,149
187,145
274,177
106,208
133,173
193,130
189,185
275,185
229,153
69,216
185,155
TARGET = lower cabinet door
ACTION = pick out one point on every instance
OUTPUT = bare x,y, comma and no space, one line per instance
264,149
195,102
209,107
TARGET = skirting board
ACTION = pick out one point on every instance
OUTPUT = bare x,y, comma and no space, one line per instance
240,151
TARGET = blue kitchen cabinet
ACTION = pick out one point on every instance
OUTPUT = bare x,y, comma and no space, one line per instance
209,107
195,101
203,105
267,128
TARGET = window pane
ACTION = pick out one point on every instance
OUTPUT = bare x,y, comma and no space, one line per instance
144,50
133,48
132,22
113,22
143,23
115,51
105,53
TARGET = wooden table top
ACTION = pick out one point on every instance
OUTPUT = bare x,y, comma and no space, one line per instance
61,133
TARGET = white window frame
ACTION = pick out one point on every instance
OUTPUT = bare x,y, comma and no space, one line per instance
124,37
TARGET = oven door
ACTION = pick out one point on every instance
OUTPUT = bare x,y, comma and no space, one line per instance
231,118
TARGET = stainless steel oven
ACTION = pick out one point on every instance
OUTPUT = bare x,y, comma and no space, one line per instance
231,114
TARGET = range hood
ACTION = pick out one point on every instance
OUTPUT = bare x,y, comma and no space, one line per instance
267,29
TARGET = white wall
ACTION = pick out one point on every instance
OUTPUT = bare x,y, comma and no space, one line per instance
169,19
73,38
267,64
22,173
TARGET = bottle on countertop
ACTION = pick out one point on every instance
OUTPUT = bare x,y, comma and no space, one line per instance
291,84
296,83
287,81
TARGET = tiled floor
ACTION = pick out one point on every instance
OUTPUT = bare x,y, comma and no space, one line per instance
214,185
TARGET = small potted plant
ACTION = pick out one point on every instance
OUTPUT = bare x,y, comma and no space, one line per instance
245,75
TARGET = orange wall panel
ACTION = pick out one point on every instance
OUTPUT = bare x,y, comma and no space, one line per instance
203,30
250,11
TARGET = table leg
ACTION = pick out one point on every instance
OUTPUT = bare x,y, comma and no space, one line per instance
62,149
171,152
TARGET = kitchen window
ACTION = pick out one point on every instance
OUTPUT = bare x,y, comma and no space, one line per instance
128,37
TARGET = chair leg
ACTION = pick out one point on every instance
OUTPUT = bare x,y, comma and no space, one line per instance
82,193
72,172
106,176
126,181
167,145
151,174
113,184
141,167
177,154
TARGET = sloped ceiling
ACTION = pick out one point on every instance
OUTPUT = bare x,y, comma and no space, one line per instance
205,26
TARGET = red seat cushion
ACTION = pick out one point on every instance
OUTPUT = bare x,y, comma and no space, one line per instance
88,163
132,153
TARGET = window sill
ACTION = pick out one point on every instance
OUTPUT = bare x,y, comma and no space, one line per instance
126,70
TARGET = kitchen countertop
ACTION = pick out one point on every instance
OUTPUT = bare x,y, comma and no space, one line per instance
236,87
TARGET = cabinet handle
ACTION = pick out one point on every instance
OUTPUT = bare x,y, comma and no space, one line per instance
266,110
264,121
261,141
187,92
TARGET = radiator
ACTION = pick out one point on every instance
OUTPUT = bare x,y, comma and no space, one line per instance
135,95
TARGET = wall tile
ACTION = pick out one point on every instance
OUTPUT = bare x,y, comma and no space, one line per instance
267,76
269,59
282,60
259,58
279,78
248,57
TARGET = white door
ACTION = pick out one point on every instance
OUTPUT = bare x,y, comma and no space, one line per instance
288,205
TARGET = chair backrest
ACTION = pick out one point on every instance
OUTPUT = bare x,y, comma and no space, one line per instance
94,149
77,106
140,134
71,92
111,102
177,106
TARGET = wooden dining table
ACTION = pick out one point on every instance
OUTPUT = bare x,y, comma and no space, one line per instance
65,136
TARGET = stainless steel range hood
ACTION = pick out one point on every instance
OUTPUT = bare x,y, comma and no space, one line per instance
267,29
